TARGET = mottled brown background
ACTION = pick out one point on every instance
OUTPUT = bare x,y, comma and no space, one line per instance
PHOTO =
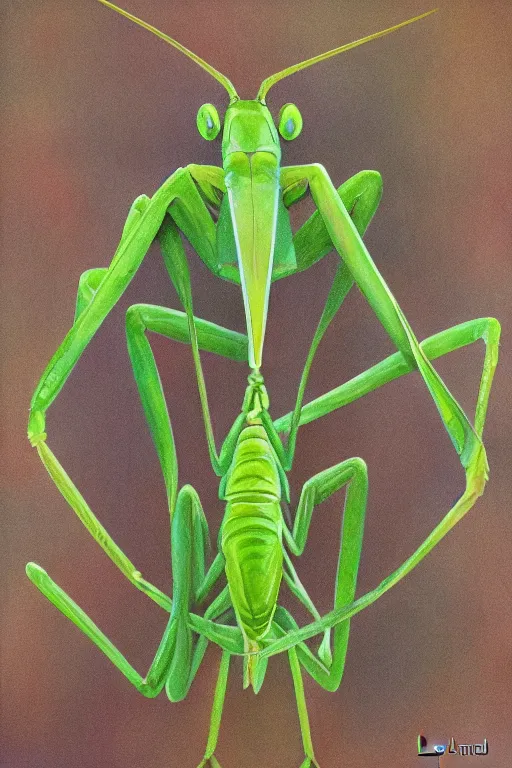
97,111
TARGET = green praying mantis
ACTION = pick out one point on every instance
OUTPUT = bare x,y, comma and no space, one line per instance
236,219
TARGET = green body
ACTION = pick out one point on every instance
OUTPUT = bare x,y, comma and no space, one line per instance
252,533
236,219
254,236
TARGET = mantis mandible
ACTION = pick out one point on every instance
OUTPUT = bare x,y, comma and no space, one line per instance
248,240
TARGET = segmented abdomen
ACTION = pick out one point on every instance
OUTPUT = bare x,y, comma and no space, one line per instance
252,532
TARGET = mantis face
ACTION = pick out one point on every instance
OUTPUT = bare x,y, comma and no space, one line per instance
253,234
251,157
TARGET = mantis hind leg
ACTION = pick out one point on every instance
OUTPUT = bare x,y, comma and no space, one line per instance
302,711
396,365
328,669
175,662
216,716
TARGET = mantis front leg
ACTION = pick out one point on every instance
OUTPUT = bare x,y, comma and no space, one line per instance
352,250
360,195
101,291
96,297
98,291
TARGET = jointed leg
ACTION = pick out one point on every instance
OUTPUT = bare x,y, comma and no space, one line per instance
360,195
466,439
104,289
88,286
353,473
176,263
297,587
216,716
394,366
342,614
302,710
172,324
282,622
391,368
149,686
339,616
174,659
219,608
96,529
99,289
352,250
210,182
139,318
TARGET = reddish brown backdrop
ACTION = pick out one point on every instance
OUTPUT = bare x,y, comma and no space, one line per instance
97,111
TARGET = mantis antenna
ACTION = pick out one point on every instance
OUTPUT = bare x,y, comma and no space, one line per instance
222,79
273,79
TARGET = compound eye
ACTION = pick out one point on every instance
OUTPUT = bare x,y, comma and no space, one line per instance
208,122
290,122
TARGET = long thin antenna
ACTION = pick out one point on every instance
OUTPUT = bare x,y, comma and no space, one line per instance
222,79
273,79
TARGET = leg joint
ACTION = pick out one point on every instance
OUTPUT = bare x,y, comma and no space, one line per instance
135,320
359,466
316,170
493,331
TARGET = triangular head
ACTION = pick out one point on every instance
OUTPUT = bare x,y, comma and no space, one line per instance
253,224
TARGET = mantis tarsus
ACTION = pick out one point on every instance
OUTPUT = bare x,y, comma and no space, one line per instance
236,218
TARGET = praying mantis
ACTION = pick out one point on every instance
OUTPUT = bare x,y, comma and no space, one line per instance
236,218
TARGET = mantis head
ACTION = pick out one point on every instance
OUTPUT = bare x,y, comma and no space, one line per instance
251,155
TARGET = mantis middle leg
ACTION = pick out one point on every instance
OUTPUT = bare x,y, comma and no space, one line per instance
175,325
173,661
486,329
